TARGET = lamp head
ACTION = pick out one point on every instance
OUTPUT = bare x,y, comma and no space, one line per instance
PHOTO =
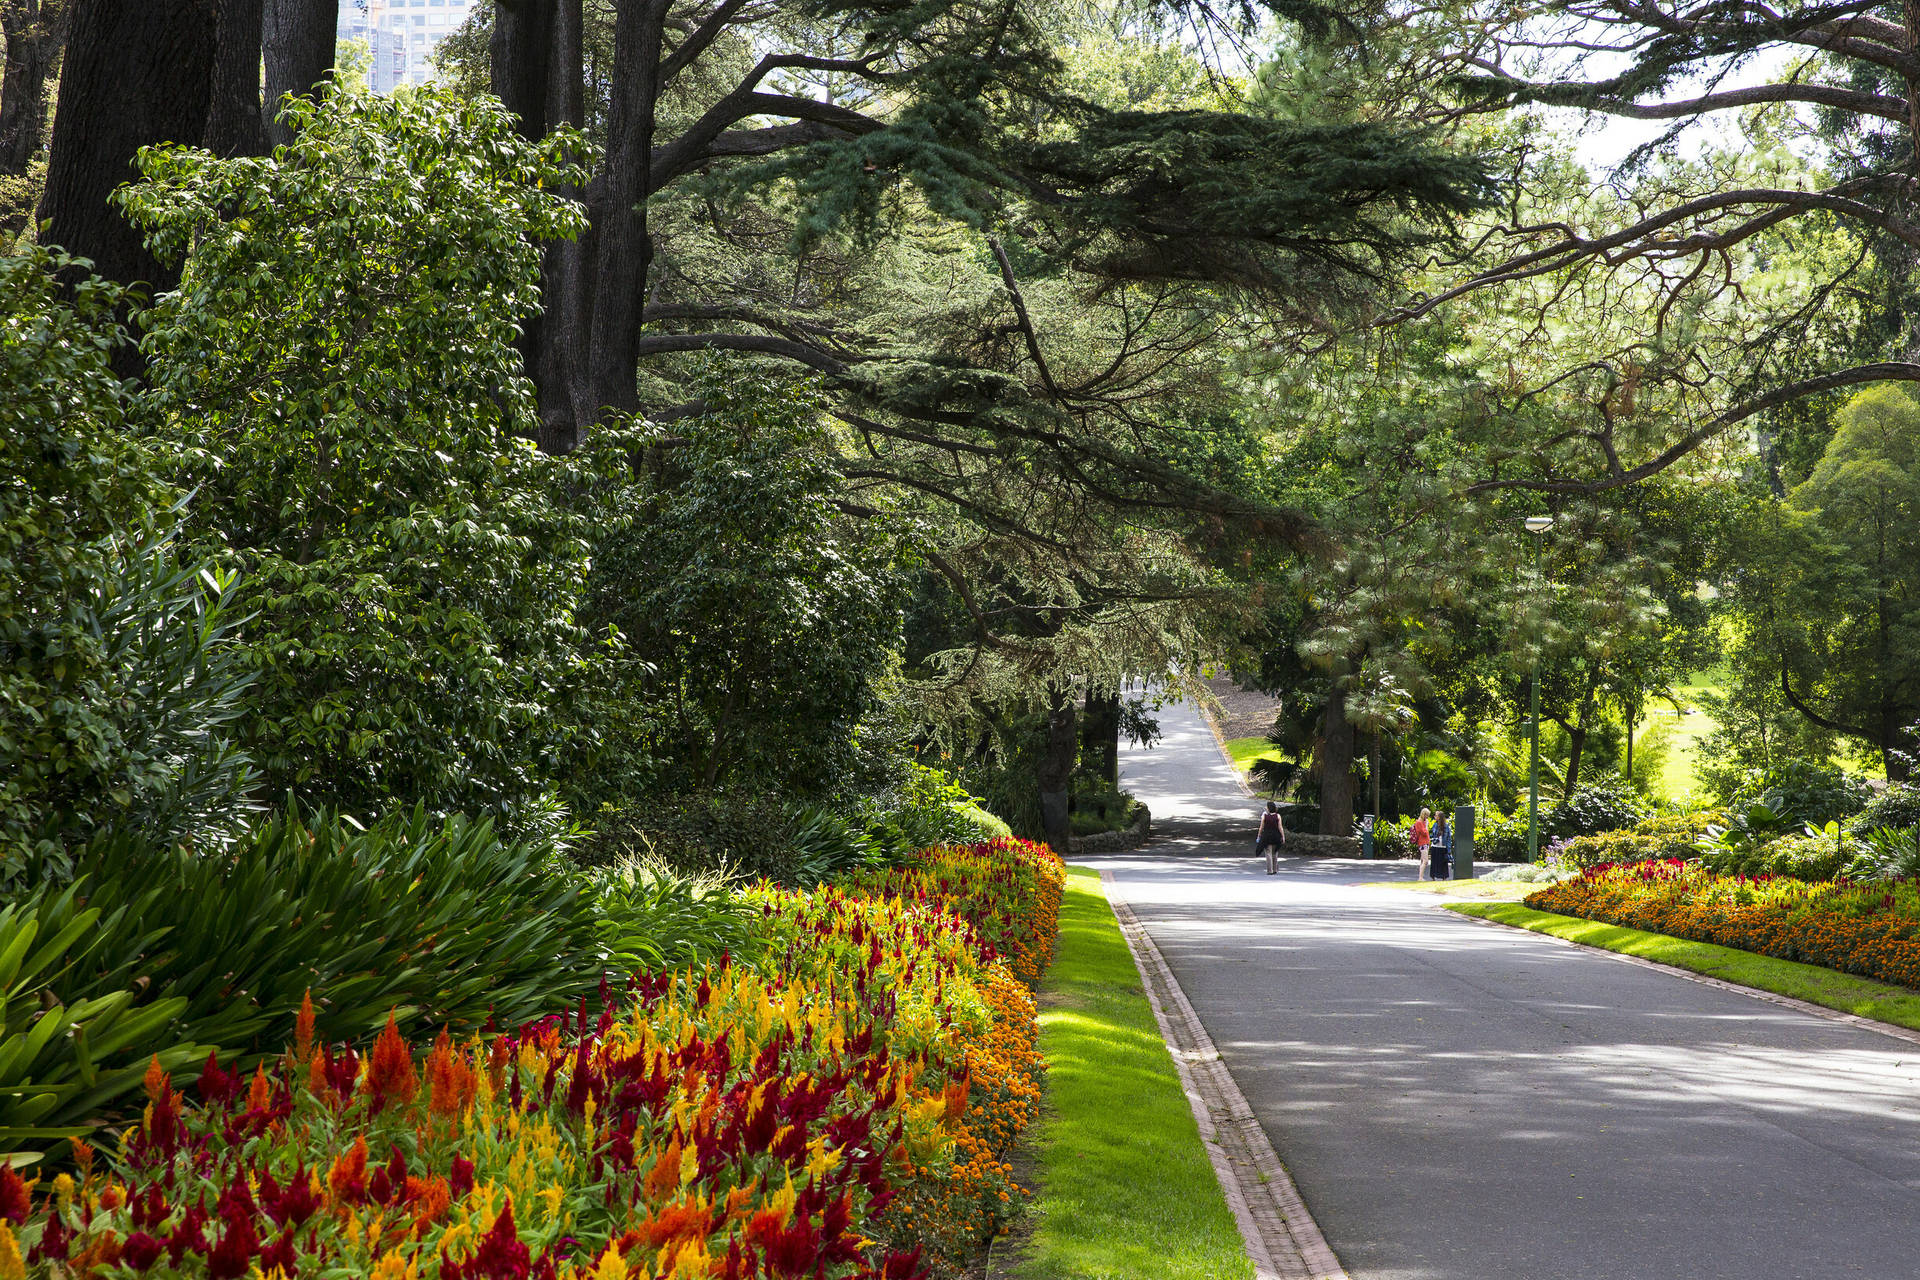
1539,524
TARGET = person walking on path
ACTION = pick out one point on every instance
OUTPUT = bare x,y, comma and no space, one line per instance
1421,840
1273,834
1442,856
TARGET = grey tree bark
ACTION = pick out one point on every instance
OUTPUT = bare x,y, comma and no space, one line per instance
297,39
1056,768
35,31
136,72
234,124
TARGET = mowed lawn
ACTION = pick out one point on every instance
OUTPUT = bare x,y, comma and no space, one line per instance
1684,729
1126,1190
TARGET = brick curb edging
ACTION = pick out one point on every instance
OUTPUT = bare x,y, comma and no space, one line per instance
1756,993
1281,1237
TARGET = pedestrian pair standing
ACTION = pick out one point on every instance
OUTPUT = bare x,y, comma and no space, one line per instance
1434,845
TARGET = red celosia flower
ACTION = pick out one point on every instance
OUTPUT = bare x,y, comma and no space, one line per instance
232,1255
500,1255
15,1203
140,1251
460,1180
390,1075
215,1085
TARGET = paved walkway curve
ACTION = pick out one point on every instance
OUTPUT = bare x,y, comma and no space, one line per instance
1457,1102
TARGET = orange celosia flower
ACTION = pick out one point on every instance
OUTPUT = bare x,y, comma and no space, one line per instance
684,1220
428,1198
156,1079
347,1180
260,1092
451,1081
317,1076
390,1075
664,1178
303,1028
955,1095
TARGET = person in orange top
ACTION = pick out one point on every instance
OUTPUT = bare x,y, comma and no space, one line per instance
1422,842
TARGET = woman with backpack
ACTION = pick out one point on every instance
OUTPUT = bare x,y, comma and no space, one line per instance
1273,834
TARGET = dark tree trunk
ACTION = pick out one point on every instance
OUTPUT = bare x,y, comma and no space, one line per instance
35,31
136,72
1894,723
624,249
234,124
1100,737
521,54
1056,768
1336,768
538,72
297,37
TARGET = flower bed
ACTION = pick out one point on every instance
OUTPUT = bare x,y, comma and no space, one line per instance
1868,929
845,1110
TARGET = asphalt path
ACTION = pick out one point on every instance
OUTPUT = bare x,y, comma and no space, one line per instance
1459,1102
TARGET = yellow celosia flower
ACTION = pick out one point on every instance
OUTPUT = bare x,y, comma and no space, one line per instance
12,1266
611,1266
394,1267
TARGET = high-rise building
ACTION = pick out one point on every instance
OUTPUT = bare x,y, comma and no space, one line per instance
402,35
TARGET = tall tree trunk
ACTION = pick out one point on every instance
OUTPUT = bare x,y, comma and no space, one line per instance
1056,768
1336,768
1100,737
1373,771
1632,715
234,124
136,72
538,70
297,37
35,30
624,249
1894,723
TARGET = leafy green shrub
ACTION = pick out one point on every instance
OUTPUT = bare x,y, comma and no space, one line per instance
1659,836
116,683
1501,839
1886,853
62,1058
1607,806
1803,791
337,377
438,920
1802,856
1898,806
649,917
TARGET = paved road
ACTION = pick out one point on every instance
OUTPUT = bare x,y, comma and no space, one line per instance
1458,1102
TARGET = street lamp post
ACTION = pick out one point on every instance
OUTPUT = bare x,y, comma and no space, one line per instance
1537,526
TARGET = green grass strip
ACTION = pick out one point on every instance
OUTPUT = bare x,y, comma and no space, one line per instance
1244,751
1126,1190
1864,997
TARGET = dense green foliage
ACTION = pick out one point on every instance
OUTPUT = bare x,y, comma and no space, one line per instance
118,683
337,380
